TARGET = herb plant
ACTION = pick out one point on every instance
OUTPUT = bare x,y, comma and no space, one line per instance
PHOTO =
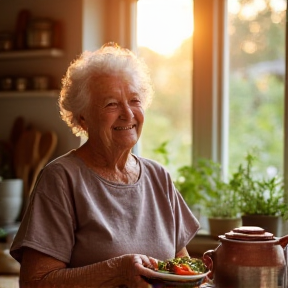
202,184
259,195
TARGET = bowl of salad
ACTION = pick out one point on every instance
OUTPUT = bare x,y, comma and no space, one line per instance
185,272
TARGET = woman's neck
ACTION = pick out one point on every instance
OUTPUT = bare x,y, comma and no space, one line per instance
115,167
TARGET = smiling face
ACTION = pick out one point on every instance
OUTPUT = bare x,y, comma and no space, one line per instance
115,115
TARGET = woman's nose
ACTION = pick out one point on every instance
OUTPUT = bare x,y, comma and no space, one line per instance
126,112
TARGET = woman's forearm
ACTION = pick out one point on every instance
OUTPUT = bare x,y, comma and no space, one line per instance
105,274
40,270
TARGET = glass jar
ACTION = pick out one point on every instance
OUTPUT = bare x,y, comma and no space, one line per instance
40,33
41,82
6,40
21,83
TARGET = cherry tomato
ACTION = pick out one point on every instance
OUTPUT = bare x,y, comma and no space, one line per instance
183,269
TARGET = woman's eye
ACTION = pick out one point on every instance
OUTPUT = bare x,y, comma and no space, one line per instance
136,101
112,104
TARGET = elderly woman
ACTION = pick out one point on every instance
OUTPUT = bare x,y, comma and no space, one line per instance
100,216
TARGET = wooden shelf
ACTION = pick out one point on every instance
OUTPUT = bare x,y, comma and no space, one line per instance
28,54
30,94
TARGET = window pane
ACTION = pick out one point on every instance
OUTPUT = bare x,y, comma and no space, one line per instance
257,75
165,42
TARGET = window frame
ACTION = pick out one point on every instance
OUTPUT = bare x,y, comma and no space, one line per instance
210,101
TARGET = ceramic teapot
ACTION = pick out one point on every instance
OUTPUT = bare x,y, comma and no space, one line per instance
247,257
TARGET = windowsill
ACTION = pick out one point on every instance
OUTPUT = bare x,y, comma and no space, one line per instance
201,243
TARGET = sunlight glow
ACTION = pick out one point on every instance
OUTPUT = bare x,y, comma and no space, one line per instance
278,5
164,24
250,9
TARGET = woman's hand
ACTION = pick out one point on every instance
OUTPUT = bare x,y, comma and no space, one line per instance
134,266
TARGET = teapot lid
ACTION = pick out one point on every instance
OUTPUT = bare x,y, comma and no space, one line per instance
249,233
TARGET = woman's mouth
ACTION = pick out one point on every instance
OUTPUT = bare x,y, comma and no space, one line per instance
124,127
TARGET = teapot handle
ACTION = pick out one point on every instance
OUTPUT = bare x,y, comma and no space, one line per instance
208,261
283,241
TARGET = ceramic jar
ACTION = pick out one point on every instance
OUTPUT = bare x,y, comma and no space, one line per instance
11,193
244,264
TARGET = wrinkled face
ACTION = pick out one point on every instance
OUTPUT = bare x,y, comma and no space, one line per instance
115,115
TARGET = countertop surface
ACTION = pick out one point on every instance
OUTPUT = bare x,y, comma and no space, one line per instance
9,281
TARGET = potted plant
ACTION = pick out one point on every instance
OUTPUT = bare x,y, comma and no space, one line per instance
222,209
261,199
202,183
193,182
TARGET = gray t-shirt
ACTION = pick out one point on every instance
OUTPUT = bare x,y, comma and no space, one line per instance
80,218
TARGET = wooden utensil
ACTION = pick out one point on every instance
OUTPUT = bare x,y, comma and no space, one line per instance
24,155
17,128
47,145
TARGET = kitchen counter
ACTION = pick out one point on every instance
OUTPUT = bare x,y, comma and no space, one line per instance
9,267
9,281
12,282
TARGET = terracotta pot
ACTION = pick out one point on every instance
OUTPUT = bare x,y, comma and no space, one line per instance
268,222
219,226
243,264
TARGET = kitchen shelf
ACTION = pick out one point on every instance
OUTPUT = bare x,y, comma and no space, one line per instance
28,54
30,94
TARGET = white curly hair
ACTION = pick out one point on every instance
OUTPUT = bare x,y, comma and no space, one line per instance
110,59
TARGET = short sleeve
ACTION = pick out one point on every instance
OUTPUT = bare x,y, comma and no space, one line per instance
48,224
186,223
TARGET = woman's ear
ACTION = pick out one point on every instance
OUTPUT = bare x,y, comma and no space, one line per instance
82,122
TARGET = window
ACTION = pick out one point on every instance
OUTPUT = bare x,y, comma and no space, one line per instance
256,82
165,42
237,109
211,62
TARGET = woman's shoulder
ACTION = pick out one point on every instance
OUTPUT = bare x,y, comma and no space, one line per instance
152,166
150,162
66,164
64,160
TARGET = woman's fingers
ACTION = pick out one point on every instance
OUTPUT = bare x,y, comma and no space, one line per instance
142,265
154,262
147,267
149,262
